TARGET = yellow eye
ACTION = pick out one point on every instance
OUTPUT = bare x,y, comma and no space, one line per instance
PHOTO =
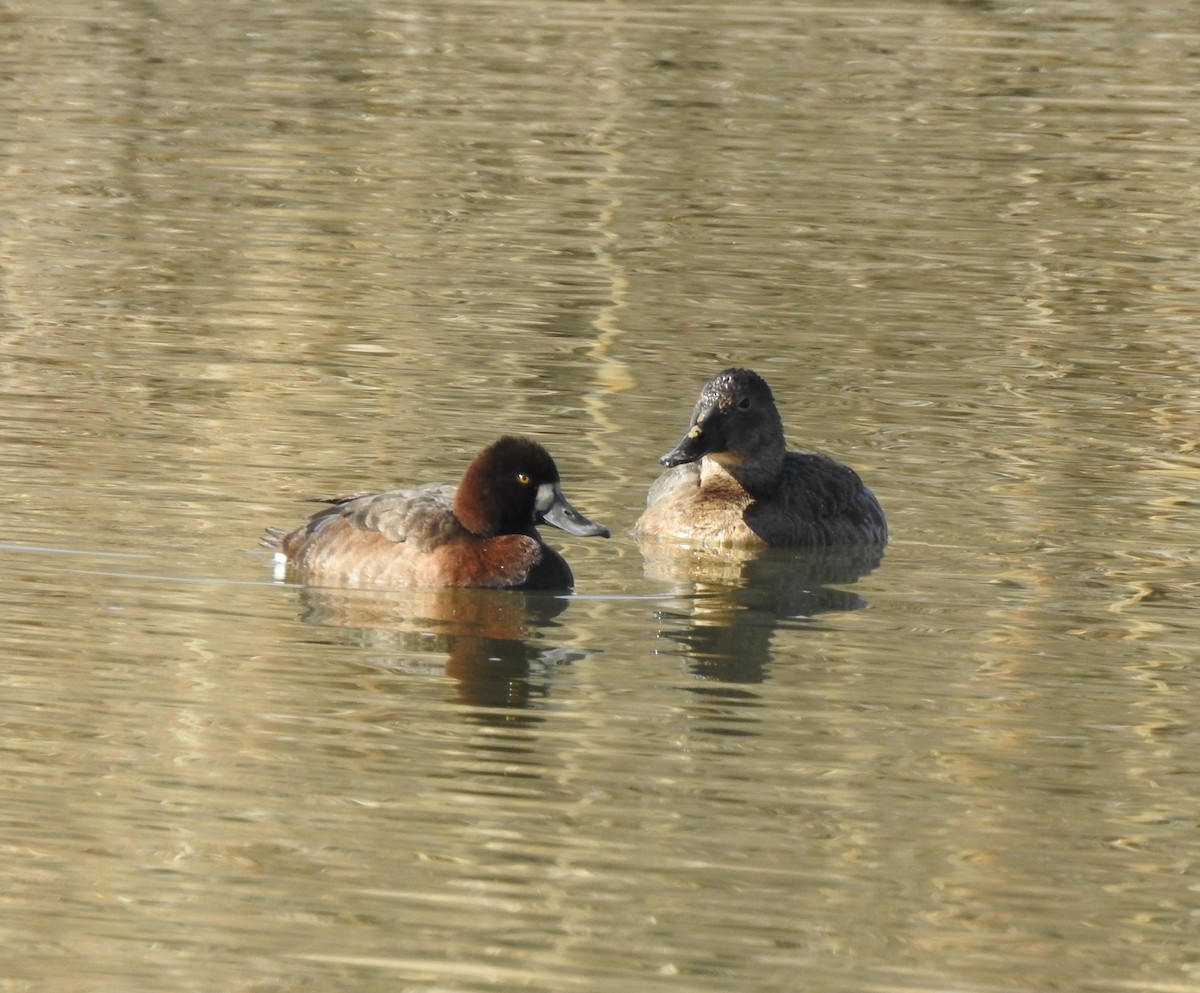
523,479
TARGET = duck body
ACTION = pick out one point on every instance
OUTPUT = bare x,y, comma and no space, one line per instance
480,533
731,480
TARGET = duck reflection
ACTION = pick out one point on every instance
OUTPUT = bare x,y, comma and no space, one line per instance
738,599
491,640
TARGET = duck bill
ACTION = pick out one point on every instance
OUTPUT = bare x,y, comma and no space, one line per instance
558,512
702,439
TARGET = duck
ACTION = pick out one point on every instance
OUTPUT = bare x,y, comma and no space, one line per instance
481,532
732,481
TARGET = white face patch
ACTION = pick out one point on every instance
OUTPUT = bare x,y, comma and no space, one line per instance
545,497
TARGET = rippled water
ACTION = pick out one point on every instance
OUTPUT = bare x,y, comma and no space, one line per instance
253,253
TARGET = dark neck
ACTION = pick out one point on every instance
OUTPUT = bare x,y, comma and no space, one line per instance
759,478
475,507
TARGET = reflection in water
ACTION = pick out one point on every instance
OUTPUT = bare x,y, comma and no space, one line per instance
739,598
260,248
489,639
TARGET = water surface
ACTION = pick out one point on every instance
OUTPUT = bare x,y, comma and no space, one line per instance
257,253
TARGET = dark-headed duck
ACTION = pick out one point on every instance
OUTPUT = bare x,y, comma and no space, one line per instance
480,533
732,481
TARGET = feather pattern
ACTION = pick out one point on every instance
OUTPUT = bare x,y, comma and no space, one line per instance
732,481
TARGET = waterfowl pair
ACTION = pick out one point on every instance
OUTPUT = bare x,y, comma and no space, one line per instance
731,481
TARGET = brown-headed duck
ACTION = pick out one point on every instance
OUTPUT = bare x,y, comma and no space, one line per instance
480,533
732,481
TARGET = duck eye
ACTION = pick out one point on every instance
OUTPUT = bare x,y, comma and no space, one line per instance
744,403
523,478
